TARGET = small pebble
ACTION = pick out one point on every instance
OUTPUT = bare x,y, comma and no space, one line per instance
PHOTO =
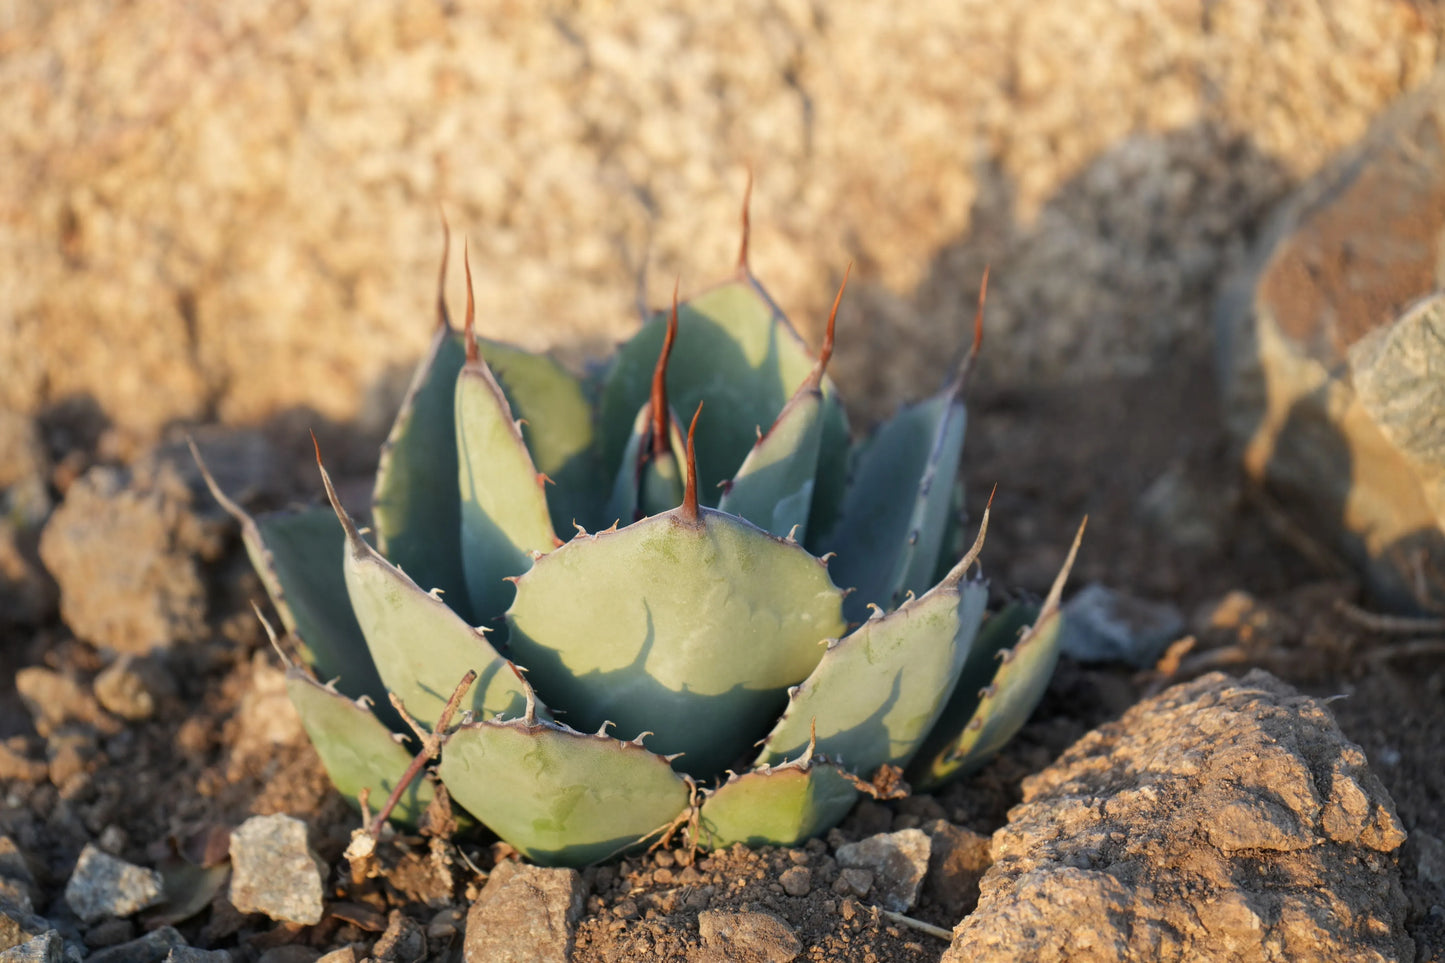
796,881
102,886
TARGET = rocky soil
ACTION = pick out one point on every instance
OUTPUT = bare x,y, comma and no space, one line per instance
223,225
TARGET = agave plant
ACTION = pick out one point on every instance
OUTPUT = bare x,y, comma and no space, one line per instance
763,621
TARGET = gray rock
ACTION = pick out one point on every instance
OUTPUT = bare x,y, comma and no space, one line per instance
154,947
103,886
123,548
1223,819
1327,369
958,860
747,937
189,954
525,914
1105,625
19,924
274,871
48,947
898,862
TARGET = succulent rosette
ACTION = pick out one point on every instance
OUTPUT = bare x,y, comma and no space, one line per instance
736,630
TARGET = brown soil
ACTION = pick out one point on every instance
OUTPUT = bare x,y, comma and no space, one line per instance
166,790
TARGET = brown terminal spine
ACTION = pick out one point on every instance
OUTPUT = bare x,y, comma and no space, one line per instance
689,494
661,420
825,353
747,223
443,318
469,327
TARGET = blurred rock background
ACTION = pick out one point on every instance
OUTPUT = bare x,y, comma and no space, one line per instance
231,213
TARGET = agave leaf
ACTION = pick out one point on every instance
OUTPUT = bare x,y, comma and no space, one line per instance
1004,705
891,529
1000,632
734,350
780,806
774,487
878,692
647,483
296,553
504,510
421,647
358,751
832,476
692,628
415,510
556,421
558,796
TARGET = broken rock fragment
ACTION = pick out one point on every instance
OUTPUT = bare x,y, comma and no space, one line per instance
747,937
274,871
897,861
525,914
103,886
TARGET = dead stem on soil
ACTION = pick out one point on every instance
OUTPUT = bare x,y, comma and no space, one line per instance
361,851
919,925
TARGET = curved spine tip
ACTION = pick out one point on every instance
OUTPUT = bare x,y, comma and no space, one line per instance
661,423
747,223
469,326
689,495
826,353
1056,591
271,634
225,501
965,370
444,319
353,535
